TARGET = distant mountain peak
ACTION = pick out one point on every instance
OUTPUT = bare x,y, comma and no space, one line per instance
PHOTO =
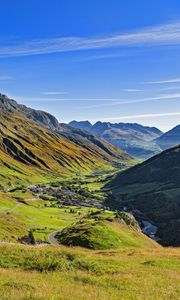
134,138
84,125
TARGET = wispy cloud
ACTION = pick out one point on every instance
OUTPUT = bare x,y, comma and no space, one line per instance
103,102
102,56
170,88
131,117
106,101
174,80
54,99
132,90
53,93
114,102
164,34
49,99
26,99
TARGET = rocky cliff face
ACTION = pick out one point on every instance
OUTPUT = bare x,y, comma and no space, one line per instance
41,117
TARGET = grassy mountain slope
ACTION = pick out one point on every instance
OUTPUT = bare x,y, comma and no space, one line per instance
30,152
79,137
85,140
152,188
135,139
11,228
105,230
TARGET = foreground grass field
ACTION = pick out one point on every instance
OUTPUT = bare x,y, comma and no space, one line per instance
73,273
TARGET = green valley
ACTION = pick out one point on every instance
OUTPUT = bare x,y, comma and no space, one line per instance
71,218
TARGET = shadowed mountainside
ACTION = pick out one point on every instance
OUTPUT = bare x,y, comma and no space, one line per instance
152,191
169,139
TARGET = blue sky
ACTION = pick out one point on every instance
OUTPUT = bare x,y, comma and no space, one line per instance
115,61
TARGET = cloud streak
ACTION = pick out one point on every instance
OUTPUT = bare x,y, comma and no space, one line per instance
107,101
53,93
170,88
143,116
49,99
174,80
165,34
132,90
115,102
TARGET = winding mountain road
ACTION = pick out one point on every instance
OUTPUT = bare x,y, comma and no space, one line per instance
52,238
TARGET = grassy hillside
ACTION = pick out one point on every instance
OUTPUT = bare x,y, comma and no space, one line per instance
105,230
19,215
69,274
81,226
31,153
11,228
151,190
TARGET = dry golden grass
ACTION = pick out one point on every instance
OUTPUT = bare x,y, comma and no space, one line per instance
127,274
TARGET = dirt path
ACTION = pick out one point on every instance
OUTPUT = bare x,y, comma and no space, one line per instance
31,199
15,207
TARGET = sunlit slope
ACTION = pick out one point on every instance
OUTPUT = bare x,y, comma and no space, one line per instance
73,273
29,152
105,230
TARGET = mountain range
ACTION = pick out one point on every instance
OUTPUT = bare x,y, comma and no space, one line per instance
137,140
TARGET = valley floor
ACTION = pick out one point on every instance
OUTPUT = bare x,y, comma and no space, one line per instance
49,207
47,272
73,273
